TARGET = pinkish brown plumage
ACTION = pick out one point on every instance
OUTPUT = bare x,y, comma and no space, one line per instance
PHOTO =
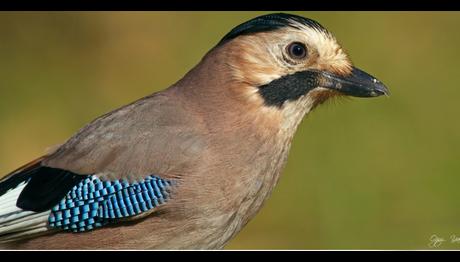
222,135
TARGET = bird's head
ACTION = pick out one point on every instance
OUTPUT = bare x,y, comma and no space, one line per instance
285,65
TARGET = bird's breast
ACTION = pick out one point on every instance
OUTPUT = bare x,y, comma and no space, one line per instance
244,181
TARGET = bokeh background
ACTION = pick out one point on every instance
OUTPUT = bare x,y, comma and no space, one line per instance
376,173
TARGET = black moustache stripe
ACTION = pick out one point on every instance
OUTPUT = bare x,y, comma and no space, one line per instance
288,88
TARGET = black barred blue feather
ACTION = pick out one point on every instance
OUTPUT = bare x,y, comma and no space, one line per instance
94,203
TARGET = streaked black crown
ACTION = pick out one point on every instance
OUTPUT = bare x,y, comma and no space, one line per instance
270,22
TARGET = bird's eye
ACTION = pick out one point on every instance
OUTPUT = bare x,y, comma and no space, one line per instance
297,50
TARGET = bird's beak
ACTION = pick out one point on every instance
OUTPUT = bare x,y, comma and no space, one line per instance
357,83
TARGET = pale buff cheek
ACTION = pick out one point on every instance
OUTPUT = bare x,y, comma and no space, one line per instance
253,64
258,75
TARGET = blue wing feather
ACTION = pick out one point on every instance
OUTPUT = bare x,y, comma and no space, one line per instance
94,203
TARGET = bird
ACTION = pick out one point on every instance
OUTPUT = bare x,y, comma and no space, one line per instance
189,166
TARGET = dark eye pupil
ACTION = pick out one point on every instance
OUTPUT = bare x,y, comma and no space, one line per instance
297,50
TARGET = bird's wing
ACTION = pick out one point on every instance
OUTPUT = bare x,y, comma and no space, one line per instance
41,199
114,168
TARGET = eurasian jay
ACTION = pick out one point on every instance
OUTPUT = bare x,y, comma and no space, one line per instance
187,167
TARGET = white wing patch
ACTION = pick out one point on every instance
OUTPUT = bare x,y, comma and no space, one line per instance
16,223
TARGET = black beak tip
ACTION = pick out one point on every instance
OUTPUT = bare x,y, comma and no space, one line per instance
379,89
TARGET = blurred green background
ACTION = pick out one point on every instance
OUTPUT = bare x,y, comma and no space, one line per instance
362,173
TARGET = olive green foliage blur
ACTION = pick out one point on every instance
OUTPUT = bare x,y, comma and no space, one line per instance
378,173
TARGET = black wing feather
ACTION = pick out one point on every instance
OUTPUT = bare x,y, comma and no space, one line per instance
46,186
